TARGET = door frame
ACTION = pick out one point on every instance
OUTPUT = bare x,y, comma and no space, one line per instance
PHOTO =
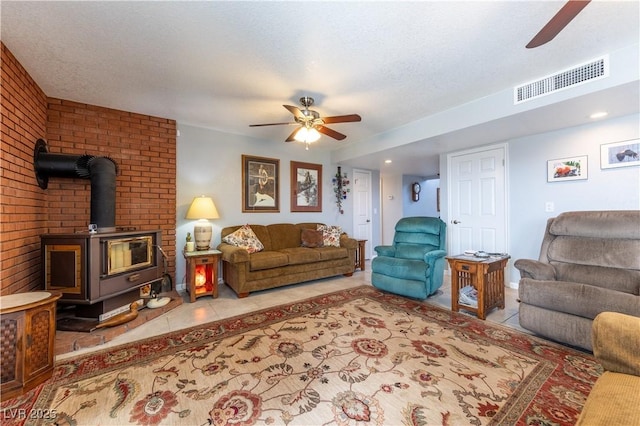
507,206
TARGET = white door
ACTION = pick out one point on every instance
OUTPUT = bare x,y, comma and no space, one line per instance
362,227
477,200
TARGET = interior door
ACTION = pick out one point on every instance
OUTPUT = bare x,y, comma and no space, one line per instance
362,227
477,200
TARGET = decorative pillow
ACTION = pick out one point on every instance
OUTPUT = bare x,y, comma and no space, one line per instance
244,237
330,235
312,238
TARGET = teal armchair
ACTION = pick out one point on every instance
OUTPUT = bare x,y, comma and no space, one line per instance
414,265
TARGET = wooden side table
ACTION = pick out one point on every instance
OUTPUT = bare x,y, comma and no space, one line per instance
360,255
485,275
27,339
202,273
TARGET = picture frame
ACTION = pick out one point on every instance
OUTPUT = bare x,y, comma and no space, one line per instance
566,169
260,184
306,187
620,154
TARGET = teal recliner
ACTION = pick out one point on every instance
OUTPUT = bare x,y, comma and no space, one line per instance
414,265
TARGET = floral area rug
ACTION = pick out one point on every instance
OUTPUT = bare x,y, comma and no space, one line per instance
354,357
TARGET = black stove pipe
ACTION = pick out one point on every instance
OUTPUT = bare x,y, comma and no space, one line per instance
101,171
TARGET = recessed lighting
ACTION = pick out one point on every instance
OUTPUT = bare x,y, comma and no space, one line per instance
387,161
598,114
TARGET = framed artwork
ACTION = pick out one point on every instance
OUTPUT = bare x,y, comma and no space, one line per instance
260,184
564,169
306,187
620,154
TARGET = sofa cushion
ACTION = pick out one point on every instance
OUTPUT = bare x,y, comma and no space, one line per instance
331,234
245,238
413,251
284,235
610,252
330,253
267,260
401,268
582,300
301,255
598,224
311,238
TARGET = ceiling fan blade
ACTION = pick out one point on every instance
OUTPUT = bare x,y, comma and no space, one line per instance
560,20
292,136
342,118
272,124
331,133
295,111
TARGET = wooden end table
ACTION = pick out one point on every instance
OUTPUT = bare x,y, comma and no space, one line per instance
360,254
486,275
202,273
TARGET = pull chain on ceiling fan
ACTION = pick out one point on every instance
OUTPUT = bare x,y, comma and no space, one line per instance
311,124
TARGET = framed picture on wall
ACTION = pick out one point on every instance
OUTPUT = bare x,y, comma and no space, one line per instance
306,187
620,154
260,184
564,169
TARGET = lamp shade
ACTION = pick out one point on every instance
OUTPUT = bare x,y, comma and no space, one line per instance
202,208
307,134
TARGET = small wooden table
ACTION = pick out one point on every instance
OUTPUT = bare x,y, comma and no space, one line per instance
360,254
27,339
202,273
486,275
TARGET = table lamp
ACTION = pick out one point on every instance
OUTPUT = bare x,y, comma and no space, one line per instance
202,209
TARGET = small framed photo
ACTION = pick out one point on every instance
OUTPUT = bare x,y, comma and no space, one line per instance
260,184
564,169
620,154
306,187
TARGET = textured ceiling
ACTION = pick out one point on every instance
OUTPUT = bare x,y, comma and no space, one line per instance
227,64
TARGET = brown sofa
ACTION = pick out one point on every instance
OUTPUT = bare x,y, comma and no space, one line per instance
615,398
589,263
283,260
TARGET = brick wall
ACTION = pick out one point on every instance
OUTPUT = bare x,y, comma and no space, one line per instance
22,202
144,148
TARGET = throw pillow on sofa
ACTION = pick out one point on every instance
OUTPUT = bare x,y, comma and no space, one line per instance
312,238
245,238
330,235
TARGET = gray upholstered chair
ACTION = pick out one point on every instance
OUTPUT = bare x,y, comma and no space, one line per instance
414,265
589,263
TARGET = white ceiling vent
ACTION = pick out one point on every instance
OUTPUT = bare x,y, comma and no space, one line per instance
580,74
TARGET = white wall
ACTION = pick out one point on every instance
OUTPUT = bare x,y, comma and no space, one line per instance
427,202
529,191
209,162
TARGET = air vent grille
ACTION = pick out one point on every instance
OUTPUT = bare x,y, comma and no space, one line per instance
590,71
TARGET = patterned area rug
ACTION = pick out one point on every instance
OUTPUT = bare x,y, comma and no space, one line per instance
353,357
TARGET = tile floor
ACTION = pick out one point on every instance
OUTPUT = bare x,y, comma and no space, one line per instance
207,309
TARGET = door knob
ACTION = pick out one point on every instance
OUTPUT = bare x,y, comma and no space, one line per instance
368,220
455,221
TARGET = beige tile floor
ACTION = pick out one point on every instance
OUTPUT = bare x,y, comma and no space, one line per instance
207,309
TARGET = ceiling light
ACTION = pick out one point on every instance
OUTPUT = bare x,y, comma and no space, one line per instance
387,161
307,135
598,114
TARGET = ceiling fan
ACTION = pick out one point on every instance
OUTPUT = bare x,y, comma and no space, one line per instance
311,124
560,20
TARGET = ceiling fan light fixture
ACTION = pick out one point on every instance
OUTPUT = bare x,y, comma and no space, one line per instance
307,135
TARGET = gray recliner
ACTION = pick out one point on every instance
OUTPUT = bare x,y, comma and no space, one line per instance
589,263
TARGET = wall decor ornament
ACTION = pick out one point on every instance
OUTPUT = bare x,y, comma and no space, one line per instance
306,187
340,188
564,169
260,184
620,154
